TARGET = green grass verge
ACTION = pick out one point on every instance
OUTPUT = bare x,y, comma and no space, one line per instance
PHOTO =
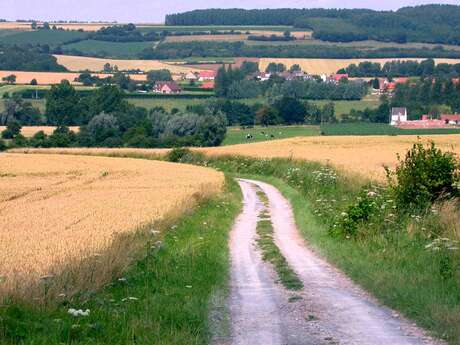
165,298
390,263
236,135
364,128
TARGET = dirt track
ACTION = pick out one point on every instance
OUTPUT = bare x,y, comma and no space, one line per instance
331,310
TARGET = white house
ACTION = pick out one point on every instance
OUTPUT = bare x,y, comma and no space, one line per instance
398,115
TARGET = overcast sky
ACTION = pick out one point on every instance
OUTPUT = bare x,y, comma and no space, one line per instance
153,11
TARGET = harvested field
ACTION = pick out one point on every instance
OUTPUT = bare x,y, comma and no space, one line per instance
300,35
65,26
60,210
50,78
329,66
29,131
361,155
191,38
80,63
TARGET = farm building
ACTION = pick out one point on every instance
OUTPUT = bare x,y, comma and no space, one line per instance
262,76
191,76
388,87
397,116
451,119
338,77
167,87
206,75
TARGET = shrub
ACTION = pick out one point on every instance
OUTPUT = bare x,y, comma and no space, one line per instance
185,155
368,204
425,175
3,146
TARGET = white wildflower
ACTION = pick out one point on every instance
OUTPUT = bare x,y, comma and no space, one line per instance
78,312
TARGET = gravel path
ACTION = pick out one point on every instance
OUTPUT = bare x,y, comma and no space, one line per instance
329,310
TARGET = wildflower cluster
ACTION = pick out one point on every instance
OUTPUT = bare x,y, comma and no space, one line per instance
371,203
325,176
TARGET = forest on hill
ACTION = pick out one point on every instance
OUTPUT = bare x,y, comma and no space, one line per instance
427,23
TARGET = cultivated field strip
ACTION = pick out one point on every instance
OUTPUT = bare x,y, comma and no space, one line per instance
30,131
363,155
81,63
329,66
47,78
56,209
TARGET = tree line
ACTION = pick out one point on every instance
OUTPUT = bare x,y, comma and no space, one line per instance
427,23
107,119
184,50
402,69
28,58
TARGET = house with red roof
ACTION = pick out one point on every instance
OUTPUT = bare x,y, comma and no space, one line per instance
167,87
339,76
207,75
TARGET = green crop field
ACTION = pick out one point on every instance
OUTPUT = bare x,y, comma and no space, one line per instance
363,128
50,37
108,49
236,135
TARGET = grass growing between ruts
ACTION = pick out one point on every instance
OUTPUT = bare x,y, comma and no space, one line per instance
271,252
165,298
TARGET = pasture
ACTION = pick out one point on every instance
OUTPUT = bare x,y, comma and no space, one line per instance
330,66
380,129
237,135
77,207
49,37
123,50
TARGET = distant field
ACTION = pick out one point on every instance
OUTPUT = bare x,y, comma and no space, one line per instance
358,44
50,37
30,131
380,129
191,38
48,78
80,63
341,107
66,26
250,28
329,66
107,49
236,135
365,155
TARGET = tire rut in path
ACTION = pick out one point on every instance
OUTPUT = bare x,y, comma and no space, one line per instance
332,310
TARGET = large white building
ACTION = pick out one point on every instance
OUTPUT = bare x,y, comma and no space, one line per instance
398,115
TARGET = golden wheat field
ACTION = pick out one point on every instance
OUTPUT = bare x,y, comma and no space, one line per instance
50,78
329,66
29,131
364,155
80,63
57,209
